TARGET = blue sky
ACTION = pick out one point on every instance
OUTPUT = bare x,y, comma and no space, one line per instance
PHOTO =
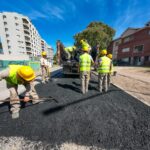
61,19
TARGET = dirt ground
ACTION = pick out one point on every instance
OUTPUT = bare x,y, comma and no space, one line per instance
135,81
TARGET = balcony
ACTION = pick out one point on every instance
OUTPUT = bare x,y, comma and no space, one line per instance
28,44
27,38
28,50
25,21
26,26
26,31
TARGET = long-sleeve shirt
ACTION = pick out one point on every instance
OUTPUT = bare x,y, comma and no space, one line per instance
30,90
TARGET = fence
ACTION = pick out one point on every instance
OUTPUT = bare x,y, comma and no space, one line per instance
34,64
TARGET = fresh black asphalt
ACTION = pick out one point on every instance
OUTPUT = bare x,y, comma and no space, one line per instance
112,120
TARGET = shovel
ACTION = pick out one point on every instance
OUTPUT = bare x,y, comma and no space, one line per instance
39,99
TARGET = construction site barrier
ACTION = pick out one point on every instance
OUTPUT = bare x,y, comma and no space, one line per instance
35,65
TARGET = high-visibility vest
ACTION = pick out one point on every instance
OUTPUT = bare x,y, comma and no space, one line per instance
69,49
85,62
104,67
12,78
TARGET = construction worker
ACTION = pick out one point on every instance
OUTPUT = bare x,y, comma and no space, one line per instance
104,67
15,75
84,43
111,71
85,62
70,51
44,68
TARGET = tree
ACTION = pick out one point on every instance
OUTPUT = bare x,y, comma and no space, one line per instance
96,33
55,59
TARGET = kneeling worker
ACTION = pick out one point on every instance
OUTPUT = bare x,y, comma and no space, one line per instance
15,75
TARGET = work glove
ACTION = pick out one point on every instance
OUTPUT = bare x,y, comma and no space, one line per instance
26,99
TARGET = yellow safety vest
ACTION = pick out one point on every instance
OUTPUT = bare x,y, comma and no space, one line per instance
104,67
69,49
12,78
85,62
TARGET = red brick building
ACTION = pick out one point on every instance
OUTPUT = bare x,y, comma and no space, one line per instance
133,47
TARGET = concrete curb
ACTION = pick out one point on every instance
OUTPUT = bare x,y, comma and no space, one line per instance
95,73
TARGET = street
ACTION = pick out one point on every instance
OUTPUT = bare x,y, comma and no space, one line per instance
112,120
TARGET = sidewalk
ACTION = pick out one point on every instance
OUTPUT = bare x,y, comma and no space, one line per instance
135,73
4,92
134,81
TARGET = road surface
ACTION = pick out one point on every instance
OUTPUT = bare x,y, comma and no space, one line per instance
113,120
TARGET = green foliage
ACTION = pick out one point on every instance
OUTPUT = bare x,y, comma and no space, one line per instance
55,59
96,33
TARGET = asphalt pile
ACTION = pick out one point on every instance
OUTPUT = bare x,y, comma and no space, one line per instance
112,120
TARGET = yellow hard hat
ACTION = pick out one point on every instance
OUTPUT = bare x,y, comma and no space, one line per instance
81,41
43,53
109,56
85,48
74,47
103,52
26,72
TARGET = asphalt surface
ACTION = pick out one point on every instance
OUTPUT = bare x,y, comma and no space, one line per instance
112,120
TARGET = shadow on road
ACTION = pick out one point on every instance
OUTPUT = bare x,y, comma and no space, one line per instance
60,107
70,87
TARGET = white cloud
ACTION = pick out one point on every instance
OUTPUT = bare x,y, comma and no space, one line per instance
34,15
56,12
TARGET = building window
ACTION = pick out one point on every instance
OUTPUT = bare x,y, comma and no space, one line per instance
125,49
146,58
8,41
16,24
127,39
18,36
5,23
16,18
20,42
7,35
4,16
9,47
138,48
17,29
6,29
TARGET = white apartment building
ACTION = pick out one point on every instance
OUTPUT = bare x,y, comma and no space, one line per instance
18,35
48,49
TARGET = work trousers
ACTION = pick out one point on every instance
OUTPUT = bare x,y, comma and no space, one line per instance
45,73
14,98
102,82
85,77
109,79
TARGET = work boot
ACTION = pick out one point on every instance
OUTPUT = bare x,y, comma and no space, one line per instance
43,82
15,115
47,80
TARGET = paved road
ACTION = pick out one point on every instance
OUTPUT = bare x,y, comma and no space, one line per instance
114,120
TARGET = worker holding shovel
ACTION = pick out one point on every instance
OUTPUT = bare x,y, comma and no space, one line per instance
15,75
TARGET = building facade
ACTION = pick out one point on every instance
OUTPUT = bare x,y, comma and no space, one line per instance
19,36
133,47
48,49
